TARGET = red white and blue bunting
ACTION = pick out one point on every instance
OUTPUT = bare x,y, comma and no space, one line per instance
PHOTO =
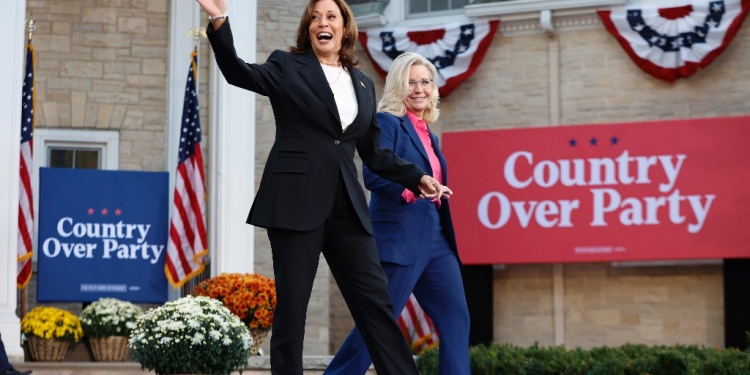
456,49
674,42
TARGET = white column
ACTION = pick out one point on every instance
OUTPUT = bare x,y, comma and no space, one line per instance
11,78
232,172
183,15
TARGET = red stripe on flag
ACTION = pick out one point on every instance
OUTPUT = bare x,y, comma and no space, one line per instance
414,318
24,274
24,232
186,268
194,206
180,207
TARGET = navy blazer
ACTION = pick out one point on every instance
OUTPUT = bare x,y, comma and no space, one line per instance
400,226
299,180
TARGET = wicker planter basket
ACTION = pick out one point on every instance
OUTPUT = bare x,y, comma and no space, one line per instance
47,350
258,336
109,349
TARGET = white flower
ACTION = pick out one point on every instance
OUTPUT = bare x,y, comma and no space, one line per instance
165,340
215,334
176,325
226,341
198,338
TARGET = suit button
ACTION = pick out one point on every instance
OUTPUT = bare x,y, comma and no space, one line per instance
336,142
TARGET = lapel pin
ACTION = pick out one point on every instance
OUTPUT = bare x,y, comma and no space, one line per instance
363,85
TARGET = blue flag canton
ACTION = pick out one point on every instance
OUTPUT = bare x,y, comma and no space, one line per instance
27,112
191,126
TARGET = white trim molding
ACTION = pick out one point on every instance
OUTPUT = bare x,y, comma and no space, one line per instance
11,83
370,20
232,171
526,6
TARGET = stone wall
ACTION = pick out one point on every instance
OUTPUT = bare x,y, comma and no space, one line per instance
102,65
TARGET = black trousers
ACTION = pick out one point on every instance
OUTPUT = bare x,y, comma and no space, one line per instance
353,259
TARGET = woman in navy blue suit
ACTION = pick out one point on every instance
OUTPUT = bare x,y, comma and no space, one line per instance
415,237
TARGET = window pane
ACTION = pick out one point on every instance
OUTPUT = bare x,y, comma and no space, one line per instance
436,5
418,6
87,159
60,158
459,4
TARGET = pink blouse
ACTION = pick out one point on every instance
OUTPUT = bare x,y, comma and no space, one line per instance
437,171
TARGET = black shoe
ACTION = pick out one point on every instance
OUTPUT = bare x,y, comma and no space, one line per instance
16,372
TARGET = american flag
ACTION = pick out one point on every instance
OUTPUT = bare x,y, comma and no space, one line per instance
418,328
187,231
25,202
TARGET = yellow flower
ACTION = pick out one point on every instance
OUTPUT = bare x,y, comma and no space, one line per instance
49,322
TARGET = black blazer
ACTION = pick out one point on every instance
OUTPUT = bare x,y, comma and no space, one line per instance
302,171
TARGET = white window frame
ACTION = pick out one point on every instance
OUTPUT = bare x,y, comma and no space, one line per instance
396,15
434,13
526,6
106,140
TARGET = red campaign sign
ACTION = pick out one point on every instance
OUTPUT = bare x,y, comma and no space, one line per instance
637,191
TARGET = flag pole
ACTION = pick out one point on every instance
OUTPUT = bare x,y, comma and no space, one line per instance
31,26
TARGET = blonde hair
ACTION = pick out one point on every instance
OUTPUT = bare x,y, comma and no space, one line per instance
397,87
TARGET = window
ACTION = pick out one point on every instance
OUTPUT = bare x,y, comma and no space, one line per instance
429,6
69,148
71,157
365,7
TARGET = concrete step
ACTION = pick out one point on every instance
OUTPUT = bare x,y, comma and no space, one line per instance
257,365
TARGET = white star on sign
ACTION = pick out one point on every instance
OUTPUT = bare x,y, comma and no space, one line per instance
716,8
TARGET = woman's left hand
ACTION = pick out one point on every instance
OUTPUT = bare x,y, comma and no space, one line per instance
432,189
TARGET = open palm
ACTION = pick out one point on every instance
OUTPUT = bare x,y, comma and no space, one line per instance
213,7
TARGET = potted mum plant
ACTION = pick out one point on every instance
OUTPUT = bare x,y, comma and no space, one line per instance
108,323
251,297
193,335
49,331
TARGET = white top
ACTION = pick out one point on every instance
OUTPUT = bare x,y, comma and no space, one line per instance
343,92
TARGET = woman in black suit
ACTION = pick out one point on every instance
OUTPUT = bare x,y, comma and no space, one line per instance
309,197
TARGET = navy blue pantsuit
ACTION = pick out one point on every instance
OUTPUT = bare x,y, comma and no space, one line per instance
4,364
417,249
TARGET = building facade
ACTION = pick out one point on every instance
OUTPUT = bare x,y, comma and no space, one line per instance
110,74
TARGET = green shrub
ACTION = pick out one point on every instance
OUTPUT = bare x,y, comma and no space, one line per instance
624,360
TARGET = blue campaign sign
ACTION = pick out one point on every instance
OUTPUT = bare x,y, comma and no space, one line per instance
102,234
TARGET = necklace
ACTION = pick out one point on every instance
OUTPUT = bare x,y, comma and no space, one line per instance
337,76
334,64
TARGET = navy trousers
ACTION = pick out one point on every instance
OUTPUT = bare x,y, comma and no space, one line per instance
4,364
435,280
